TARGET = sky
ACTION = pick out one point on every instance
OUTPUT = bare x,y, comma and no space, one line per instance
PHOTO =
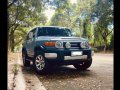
50,12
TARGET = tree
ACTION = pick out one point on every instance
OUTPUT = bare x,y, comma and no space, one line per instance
63,13
112,42
22,14
83,11
104,12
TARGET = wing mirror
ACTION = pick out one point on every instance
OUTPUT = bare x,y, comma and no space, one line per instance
31,35
73,33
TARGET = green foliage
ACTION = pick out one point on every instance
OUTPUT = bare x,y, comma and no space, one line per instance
15,69
62,16
112,42
23,14
98,33
105,14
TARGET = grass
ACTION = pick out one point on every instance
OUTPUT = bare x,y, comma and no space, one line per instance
15,69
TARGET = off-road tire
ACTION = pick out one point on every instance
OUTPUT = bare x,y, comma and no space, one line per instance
83,65
40,69
26,63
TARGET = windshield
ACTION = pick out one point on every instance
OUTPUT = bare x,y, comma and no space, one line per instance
54,31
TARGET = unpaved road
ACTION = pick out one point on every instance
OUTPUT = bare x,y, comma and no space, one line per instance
98,77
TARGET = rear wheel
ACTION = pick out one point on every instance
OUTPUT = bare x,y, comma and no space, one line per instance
83,65
40,64
26,63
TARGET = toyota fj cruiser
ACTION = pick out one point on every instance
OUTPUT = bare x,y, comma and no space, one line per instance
52,45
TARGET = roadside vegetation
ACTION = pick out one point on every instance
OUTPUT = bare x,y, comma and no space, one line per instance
91,19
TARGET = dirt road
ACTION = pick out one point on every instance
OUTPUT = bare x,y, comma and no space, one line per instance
98,77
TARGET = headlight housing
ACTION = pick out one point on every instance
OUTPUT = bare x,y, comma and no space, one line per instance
59,44
84,45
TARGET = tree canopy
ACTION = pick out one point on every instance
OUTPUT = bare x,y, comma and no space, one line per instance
92,19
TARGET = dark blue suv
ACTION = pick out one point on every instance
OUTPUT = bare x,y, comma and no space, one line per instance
52,45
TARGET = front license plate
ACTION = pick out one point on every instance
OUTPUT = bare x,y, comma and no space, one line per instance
76,53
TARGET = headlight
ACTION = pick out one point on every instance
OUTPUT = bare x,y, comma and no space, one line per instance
84,45
59,44
67,45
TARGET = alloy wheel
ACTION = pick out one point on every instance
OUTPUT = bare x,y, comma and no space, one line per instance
40,62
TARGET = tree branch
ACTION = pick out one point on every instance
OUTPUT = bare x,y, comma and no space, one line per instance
11,3
18,42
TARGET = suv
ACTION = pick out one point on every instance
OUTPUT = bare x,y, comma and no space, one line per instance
52,45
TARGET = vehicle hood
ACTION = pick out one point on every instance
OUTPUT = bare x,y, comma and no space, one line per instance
64,39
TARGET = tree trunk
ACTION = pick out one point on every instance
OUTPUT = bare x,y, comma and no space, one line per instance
12,48
105,44
9,49
11,41
104,48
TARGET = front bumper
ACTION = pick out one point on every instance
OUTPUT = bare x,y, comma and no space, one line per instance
62,55
54,56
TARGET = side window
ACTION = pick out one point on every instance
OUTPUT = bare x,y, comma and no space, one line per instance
40,32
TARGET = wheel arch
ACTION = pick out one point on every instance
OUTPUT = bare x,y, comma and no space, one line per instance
23,49
38,48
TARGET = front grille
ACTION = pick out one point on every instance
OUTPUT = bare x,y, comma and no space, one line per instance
74,45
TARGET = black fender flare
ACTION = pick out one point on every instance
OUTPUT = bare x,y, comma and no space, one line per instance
38,49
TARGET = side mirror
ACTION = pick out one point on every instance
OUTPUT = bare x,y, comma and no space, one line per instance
31,35
73,33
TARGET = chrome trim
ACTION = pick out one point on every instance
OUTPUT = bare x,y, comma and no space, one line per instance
51,55
75,57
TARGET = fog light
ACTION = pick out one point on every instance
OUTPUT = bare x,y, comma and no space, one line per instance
67,45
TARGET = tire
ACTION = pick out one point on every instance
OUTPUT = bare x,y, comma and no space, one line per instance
26,63
83,65
40,64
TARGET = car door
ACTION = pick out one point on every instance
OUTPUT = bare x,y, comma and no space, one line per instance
27,45
32,43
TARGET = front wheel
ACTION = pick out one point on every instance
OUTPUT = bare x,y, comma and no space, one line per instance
40,64
83,65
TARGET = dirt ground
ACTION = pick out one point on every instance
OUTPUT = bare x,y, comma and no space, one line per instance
25,78
98,77
12,59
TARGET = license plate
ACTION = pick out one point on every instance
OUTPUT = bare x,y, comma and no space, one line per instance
76,53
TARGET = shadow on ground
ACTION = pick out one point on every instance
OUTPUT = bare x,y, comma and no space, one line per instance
62,72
